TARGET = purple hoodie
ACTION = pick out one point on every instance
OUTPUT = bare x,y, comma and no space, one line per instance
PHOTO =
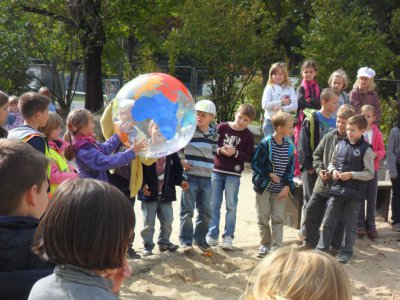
93,159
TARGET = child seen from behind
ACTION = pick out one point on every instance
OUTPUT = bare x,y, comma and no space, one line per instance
86,233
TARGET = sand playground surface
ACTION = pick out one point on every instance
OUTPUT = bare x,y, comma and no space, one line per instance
374,270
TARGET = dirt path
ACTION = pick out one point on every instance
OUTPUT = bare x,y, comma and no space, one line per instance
374,271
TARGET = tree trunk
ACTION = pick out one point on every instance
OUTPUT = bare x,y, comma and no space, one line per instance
93,79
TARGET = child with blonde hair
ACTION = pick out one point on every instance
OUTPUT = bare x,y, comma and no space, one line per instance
279,95
339,82
273,166
15,116
296,275
372,135
363,92
60,170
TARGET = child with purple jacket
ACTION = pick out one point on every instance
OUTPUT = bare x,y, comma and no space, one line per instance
93,158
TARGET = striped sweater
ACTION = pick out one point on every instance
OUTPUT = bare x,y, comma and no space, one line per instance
200,152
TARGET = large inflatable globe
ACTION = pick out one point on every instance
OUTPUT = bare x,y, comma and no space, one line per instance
156,107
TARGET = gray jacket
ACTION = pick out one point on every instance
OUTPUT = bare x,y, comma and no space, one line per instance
322,157
70,282
393,152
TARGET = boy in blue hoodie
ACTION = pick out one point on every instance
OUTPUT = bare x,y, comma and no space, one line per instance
273,166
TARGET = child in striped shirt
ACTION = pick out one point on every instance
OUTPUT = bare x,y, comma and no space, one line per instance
273,166
198,163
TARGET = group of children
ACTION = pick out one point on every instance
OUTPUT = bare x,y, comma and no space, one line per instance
338,153
337,150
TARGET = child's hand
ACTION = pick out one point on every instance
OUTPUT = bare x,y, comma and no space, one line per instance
185,165
139,146
336,175
325,175
146,190
284,194
285,100
274,178
184,185
227,150
346,176
311,171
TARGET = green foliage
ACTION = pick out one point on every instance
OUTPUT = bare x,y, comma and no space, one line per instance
218,36
253,94
344,35
390,110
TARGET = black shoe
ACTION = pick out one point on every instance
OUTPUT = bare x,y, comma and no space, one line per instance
132,254
202,245
169,247
344,259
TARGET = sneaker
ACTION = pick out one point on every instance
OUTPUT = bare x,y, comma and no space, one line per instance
343,259
396,227
186,247
372,233
263,251
202,245
147,252
227,243
361,232
132,254
169,247
211,241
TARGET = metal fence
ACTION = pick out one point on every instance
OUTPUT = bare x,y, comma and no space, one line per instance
388,88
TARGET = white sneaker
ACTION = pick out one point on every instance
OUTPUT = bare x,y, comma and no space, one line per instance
211,241
227,243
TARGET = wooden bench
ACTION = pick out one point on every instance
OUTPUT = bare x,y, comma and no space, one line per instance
294,205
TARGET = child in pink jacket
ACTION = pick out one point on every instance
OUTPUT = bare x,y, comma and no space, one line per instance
372,135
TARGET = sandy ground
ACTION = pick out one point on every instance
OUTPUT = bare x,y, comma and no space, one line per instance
374,270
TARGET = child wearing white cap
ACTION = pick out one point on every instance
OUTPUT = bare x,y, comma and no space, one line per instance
364,92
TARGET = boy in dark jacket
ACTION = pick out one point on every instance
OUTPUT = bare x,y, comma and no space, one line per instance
319,199
315,126
351,167
157,194
273,166
23,200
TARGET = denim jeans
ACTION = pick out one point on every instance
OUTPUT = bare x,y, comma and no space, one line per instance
267,127
229,183
340,208
164,212
197,196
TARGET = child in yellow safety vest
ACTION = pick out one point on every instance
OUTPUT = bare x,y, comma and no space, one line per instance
60,170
